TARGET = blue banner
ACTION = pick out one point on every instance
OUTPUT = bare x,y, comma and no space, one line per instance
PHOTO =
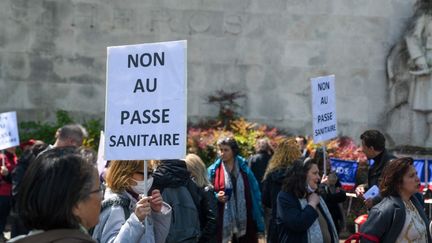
420,167
346,170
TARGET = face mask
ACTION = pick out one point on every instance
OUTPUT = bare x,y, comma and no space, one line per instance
309,189
140,186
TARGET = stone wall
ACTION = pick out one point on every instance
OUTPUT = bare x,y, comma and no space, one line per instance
53,54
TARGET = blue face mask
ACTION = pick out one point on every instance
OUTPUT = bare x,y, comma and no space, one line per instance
140,186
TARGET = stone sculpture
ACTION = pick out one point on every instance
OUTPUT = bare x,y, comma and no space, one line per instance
409,69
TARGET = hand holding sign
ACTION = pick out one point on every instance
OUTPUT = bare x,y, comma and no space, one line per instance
371,193
4,171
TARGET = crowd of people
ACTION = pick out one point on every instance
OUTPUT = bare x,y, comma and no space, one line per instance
54,193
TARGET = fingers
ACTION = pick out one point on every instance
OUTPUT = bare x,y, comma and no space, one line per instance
156,201
221,196
143,208
156,195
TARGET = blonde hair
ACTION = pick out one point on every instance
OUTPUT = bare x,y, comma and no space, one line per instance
285,154
197,169
119,173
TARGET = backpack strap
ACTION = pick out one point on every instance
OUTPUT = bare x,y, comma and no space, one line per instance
117,201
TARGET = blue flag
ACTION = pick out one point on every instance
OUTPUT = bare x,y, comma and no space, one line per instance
346,171
420,167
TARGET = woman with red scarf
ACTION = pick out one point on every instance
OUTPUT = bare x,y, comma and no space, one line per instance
240,215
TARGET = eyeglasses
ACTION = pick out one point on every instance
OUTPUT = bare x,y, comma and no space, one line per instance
100,190
149,173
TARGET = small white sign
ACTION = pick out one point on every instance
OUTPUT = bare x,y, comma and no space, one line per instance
146,101
324,108
9,136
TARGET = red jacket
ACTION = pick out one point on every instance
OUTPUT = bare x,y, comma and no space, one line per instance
5,183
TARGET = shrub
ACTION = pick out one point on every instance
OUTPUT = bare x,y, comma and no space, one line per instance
202,141
45,131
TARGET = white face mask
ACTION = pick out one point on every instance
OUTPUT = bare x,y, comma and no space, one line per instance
140,186
309,189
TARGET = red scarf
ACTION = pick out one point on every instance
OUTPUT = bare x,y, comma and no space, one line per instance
219,185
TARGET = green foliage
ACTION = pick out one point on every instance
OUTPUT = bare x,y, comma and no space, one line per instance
203,141
45,131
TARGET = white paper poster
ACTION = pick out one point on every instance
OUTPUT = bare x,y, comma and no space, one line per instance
324,108
146,101
9,136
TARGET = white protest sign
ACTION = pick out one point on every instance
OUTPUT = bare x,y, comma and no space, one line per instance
8,130
324,108
146,101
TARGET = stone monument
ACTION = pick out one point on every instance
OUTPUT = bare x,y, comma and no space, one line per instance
409,68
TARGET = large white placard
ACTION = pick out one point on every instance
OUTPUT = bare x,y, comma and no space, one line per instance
146,101
9,136
324,108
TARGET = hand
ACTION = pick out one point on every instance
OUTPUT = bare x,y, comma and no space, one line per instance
360,191
332,179
324,180
143,209
4,171
156,201
368,203
221,197
313,199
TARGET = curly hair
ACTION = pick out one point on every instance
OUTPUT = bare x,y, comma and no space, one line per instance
295,177
285,154
230,142
392,176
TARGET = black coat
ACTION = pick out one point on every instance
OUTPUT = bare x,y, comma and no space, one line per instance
258,164
293,222
386,219
270,188
375,171
174,174
332,200
208,215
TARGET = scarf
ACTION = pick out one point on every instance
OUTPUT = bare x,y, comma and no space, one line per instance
314,233
235,212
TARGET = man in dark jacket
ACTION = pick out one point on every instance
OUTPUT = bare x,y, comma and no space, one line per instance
373,146
258,162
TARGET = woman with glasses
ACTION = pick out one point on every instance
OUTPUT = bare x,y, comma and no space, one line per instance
59,198
302,215
128,213
400,216
240,215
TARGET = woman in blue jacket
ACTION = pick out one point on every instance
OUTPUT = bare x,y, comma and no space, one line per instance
240,215
302,215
